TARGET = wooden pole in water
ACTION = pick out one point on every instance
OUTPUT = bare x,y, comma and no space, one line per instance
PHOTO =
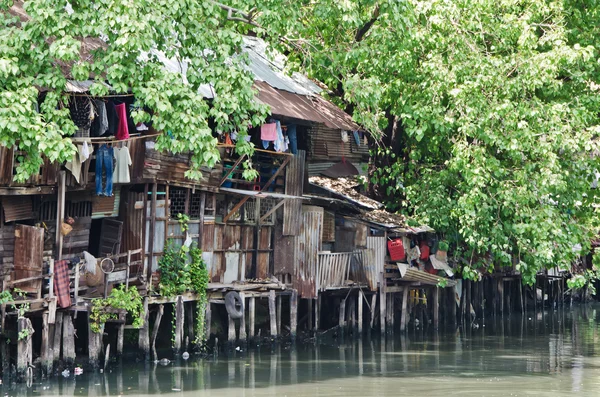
279,303
382,303
179,322
144,334
436,307
207,320
121,333
453,306
231,330
293,313
342,316
360,310
252,315
404,318
272,315
243,336
373,308
159,315
501,294
190,320
311,312
46,350
56,343
68,341
24,347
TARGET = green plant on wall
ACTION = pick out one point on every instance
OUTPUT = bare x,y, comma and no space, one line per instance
119,298
182,269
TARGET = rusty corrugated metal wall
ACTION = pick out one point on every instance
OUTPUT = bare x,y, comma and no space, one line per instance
294,186
17,208
307,246
378,251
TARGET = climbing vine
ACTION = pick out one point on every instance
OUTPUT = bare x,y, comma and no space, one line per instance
119,298
182,269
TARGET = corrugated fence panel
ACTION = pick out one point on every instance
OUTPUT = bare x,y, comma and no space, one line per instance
7,247
294,186
377,246
17,208
307,246
284,259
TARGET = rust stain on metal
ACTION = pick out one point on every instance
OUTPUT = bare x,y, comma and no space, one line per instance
307,247
17,208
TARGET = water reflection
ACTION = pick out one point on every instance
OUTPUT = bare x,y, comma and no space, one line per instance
551,354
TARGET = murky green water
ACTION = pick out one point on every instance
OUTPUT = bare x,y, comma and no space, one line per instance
552,355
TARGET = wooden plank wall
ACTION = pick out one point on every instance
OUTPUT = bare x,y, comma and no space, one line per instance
294,186
228,250
79,239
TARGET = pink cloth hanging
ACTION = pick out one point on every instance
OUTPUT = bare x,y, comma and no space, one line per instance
123,130
268,132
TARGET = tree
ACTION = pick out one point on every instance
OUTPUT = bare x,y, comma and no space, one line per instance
488,113
44,43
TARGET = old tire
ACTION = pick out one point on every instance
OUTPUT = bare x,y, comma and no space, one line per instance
234,305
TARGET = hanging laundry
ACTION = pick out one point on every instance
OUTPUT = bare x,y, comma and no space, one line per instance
113,119
291,133
121,173
104,162
268,132
123,130
82,154
278,144
356,137
61,284
90,262
82,114
345,136
100,123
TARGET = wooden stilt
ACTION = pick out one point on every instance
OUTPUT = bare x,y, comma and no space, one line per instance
373,309
342,316
521,297
453,306
311,312
404,318
144,335
293,313
179,323
231,336
24,347
121,333
382,303
159,315
272,315
279,303
360,299
318,312
56,343
436,307
68,346
243,336
207,321
190,320
390,312
46,350
94,346
509,300
252,315
501,295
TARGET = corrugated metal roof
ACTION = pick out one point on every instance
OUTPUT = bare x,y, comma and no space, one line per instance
302,107
344,187
269,66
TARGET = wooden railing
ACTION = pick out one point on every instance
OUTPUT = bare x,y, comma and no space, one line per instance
340,269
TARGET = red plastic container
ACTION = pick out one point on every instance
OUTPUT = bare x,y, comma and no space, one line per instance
396,249
424,247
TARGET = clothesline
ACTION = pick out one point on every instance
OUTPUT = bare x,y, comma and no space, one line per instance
104,140
102,96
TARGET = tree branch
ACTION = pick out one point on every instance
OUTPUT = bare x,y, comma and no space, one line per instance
360,34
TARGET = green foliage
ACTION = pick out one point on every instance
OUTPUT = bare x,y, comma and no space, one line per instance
443,283
174,271
126,47
119,298
443,246
584,280
183,220
489,108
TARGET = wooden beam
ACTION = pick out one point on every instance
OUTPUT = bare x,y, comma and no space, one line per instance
235,208
360,311
252,314
276,174
28,191
152,231
272,315
235,165
157,321
294,313
144,224
60,214
273,209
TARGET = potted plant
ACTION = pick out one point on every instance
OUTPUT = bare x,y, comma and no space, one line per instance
442,251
